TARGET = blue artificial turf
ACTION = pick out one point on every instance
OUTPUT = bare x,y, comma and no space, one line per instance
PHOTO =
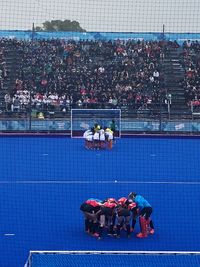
44,180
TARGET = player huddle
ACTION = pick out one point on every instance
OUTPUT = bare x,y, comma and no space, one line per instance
99,137
114,216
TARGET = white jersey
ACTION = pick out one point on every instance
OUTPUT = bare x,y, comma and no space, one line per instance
102,135
96,136
109,135
89,138
88,135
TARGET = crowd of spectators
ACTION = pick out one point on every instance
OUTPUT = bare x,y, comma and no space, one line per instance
63,74
60,75
3,66
190,59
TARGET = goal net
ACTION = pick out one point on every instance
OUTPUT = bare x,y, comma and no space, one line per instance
112,258
84,119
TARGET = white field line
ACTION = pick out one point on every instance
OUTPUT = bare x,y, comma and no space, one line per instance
116,252
97,182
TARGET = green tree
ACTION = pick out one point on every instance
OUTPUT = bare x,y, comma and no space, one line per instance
59,25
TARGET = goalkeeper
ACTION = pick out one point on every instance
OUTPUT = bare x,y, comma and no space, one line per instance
113,128
145,211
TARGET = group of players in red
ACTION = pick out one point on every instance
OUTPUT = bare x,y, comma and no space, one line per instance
113,216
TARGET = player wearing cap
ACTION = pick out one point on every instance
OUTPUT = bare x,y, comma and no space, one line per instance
145,211
97,127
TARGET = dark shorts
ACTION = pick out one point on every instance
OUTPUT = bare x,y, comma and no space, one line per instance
107,211
146,212
124,212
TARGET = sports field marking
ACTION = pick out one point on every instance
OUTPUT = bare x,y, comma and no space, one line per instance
9,234
97,182
116,252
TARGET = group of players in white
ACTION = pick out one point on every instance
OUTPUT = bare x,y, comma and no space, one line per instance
98,138
114,216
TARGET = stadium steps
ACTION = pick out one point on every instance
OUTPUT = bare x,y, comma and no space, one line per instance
12,58
174,74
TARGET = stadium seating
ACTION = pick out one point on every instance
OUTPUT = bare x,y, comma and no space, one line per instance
142,78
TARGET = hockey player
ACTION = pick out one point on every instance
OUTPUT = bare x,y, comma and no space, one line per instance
109,137
145,211
123,216
108,215
90,209
102,138
88,136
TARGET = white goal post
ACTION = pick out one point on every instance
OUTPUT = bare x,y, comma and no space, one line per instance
84,119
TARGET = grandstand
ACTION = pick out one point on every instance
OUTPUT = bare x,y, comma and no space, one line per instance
96,74
99,74
125,71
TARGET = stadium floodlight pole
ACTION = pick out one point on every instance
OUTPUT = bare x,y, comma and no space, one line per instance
31,87
160,90
163,32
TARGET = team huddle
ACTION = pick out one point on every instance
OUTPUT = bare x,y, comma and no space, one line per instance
114,216
99,137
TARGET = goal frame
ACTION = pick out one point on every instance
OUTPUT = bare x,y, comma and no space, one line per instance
107,109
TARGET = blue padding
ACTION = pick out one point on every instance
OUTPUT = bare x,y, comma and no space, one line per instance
95,36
